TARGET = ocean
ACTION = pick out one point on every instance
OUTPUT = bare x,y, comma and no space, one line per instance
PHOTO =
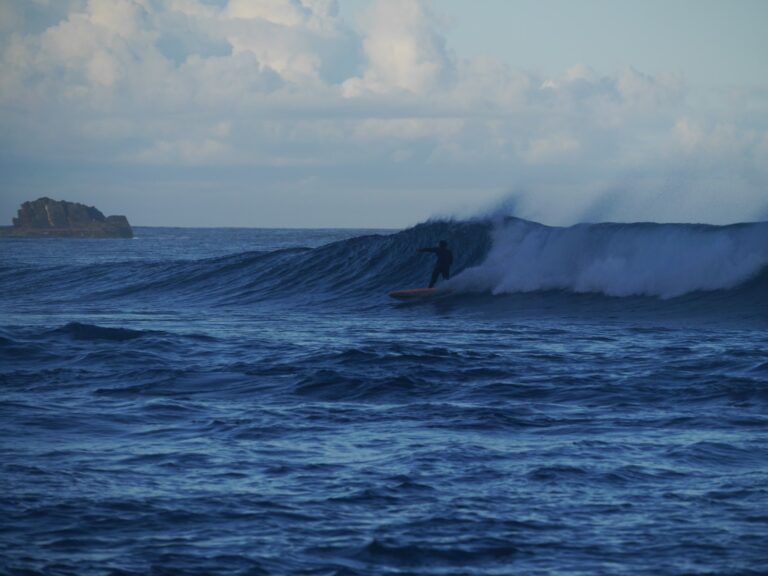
586,400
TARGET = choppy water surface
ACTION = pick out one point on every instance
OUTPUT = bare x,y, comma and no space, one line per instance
251,402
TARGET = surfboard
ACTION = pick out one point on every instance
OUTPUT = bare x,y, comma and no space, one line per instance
418,293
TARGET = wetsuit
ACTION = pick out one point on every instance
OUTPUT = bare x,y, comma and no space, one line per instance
443,264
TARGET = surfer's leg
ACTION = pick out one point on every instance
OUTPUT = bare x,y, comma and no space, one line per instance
435,274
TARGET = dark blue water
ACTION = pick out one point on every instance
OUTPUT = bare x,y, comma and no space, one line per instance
587,400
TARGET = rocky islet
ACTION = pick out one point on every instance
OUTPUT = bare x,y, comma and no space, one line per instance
48,217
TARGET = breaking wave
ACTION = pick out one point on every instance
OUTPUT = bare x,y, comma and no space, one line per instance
493,258
664,260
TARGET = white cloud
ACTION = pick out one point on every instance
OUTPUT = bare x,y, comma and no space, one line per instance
275,11
121,17
558,147
185,151
301,41
287,83
404,51
408,128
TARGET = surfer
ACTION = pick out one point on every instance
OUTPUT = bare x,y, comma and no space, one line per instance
444,261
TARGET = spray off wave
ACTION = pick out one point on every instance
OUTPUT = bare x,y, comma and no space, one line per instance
645,259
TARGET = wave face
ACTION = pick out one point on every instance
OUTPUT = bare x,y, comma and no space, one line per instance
351,269
663,260
509,257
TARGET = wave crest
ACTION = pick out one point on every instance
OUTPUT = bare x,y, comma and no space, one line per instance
504,257
662,260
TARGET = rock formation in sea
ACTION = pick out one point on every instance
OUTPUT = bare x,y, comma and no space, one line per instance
47,217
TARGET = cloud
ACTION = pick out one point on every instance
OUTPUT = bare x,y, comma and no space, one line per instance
403,50
305,42
558,147
273,85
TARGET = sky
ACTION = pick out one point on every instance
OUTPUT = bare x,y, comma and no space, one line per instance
385,113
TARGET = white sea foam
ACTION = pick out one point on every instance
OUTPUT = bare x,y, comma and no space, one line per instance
664,260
